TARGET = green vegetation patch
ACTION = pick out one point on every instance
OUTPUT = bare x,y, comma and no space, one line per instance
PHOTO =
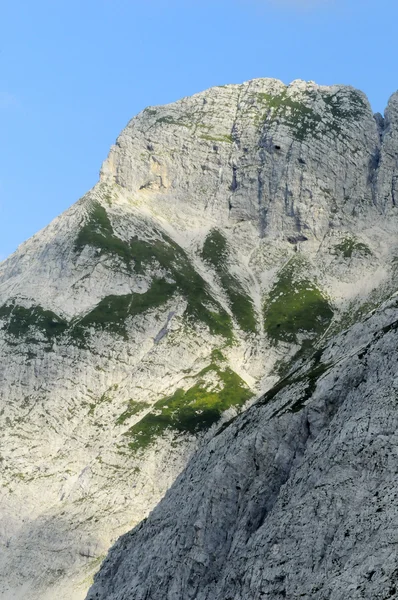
19,321
98,233
241,304
350,246
301,119
348,105
192,411
217,356
171,121
295,305
137,254
201,305
133,408
217,138
215,249
111,313
215,252
145,253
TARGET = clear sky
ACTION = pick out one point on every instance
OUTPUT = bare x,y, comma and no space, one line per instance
73,72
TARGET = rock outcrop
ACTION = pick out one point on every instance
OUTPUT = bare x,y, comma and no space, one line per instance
231,234
293,499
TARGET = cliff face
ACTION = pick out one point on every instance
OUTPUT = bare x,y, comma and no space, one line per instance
293,499
280,158
231,234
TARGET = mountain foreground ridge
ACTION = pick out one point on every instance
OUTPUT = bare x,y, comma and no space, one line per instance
223,298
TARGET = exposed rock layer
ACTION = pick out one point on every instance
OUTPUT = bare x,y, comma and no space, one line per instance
229,232
294,499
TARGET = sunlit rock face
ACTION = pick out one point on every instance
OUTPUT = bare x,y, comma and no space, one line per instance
231,235
288,160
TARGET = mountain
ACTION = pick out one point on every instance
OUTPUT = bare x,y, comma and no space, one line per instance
236,240
296,498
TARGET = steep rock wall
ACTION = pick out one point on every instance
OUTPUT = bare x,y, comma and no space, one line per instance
230,234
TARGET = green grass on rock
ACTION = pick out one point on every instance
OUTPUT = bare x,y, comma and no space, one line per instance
19,322
191,411
295,306
350,246
162,252
216,253
133,408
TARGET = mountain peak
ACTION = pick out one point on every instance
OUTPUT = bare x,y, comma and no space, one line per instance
233,239
221,154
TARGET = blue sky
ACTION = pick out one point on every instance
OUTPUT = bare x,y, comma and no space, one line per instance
72,73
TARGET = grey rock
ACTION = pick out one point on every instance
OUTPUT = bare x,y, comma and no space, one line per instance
177,272
295,498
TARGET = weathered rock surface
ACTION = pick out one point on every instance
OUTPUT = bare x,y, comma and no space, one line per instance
294,499
230,234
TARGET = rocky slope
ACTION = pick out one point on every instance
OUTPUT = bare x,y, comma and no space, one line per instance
230,235
293,499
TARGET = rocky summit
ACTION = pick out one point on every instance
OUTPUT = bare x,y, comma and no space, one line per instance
214,323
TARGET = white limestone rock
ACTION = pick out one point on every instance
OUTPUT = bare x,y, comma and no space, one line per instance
228,232
294,499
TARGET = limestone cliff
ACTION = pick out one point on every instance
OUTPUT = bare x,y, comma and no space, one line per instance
293,499
231,234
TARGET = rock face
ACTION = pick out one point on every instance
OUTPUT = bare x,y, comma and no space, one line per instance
294,499
231,235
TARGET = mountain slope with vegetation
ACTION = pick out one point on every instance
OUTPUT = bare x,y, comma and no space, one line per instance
231,236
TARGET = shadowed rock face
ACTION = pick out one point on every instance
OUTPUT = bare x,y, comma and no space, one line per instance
295,498
231,235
